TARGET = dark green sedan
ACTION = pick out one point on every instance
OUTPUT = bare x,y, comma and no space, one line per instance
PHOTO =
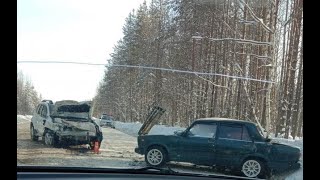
220,142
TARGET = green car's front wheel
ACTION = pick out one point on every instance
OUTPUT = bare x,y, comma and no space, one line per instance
156,156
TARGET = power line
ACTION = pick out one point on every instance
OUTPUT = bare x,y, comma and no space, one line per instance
153,68
194,72
61,62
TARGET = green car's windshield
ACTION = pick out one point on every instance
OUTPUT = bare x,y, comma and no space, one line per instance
185,84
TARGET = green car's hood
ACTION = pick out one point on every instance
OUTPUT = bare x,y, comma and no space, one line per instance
152,118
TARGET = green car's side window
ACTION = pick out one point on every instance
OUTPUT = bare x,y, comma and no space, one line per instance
203,130
237,132
245,134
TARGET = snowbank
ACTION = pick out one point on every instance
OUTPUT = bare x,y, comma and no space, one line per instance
23,118
133,128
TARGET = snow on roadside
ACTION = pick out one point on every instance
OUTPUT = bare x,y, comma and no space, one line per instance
297,175
133,128
23,118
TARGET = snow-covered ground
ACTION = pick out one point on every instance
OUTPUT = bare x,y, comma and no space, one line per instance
23,118
116,150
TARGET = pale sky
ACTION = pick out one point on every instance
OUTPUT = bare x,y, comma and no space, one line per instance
68,30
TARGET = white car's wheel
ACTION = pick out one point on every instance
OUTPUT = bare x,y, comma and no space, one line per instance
49,139
252,168
32,134
155,156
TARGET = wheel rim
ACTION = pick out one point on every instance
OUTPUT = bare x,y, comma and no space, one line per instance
154,157
251,168
48,139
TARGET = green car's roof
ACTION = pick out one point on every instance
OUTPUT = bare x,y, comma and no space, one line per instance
217,119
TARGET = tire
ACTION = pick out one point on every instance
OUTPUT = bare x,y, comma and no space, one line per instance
50,139
33,134
156,156
253,168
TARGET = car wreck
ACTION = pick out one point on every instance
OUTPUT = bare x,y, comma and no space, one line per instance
65,122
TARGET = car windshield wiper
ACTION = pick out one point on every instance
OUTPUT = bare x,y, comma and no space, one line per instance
167,170
143,170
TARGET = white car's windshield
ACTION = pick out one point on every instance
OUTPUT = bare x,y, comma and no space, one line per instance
108,83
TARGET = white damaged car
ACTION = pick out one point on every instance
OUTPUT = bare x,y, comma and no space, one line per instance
65,122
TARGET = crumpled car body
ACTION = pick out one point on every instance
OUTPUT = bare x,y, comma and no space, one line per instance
66,122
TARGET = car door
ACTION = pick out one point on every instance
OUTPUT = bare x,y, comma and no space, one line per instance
197,144
233,142
43,118
36,117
